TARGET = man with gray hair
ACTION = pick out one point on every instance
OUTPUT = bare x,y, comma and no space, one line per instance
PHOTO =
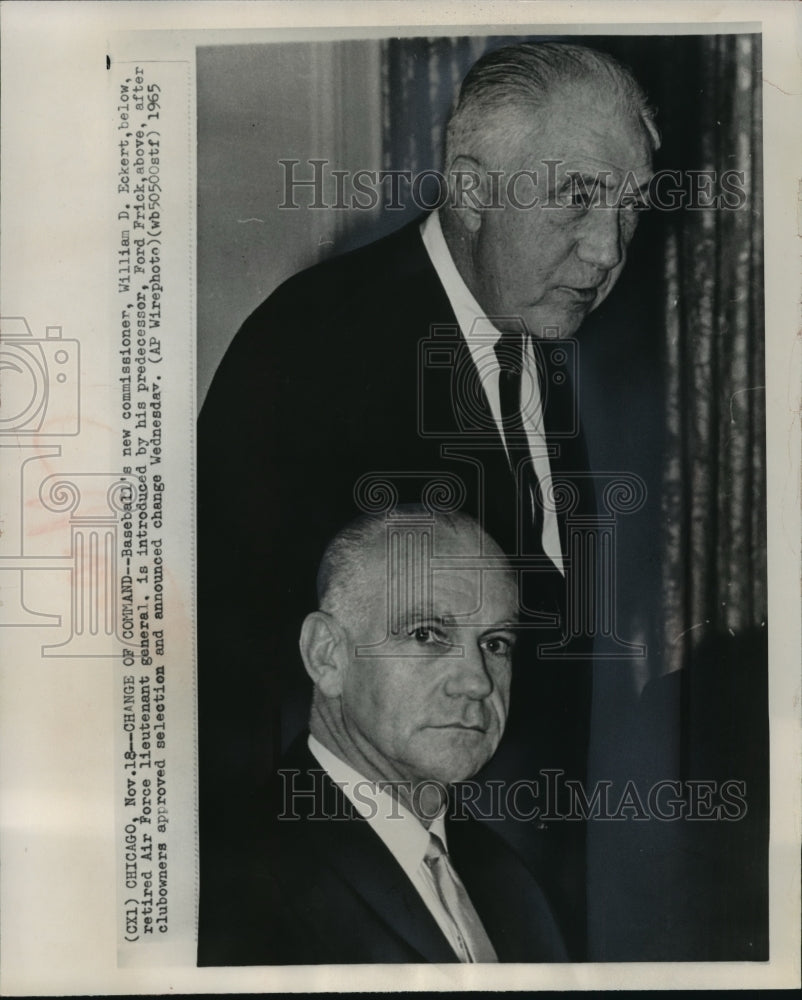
436,358
548,157
372,857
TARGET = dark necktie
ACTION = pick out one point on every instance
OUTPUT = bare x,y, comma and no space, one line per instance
510,354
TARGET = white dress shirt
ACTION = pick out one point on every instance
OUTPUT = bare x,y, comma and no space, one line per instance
481,337
402,833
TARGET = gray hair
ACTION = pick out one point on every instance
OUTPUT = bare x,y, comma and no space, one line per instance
520,78
343,576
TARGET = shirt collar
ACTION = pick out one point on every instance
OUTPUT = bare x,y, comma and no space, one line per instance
401,831
471,318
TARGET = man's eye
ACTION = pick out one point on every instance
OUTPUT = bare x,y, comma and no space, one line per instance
427,635
572,197
498,645
580,193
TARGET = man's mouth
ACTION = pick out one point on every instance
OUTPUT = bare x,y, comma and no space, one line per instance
581,294
462,725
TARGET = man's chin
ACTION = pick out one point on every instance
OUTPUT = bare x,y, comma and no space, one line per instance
560,323
446,775
461,764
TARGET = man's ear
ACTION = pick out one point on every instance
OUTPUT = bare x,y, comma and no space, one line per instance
322,645
468,191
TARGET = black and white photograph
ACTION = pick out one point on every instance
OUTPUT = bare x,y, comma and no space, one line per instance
517,278
399,520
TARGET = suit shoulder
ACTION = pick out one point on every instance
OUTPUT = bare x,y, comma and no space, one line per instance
342,297
506,892
345,281
323,321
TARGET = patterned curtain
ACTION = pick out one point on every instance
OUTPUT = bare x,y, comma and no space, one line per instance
706,717
714,567
420,80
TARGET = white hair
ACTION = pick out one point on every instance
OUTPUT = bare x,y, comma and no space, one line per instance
492,114
344,578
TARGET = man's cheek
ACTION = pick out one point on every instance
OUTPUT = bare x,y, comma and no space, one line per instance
607,285
499,701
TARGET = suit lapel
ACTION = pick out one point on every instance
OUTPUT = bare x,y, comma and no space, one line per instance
452,402
363,862
563,426
453,424
514,912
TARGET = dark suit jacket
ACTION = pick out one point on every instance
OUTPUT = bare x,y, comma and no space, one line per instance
327,890
329,389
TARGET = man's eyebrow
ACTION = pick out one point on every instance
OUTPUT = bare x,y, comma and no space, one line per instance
600,177
508,625
445,618
419,613
587,176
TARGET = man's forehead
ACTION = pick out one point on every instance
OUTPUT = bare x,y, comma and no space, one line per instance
474,592
607,173
596,132
459,592
443,557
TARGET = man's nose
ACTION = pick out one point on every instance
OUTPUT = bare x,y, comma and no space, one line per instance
600,242
469,677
